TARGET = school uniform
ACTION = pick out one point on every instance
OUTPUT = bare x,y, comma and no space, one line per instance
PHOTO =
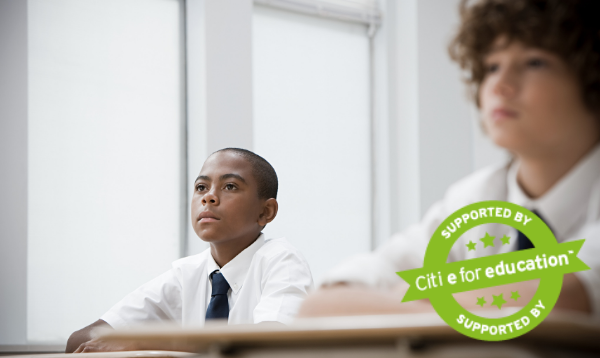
267,282
571,208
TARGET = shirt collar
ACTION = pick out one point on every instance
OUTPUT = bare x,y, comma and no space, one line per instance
565,204
235,270
211,265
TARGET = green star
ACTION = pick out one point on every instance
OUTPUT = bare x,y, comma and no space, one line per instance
515,295
498,301
471,245
505,240
481,301
487,240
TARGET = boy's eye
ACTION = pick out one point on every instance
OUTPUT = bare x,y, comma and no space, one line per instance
229,186
491,68
536,63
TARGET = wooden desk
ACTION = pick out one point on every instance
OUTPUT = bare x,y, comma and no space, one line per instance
132,354
407,335
423,335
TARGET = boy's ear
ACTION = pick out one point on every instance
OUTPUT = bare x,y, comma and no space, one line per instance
269,212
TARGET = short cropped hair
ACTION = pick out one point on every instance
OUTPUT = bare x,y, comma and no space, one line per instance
567,28
263,172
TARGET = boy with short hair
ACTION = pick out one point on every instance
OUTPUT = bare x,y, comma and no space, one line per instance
242,277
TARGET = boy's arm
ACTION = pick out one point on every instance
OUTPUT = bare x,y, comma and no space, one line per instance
158,300
285,284
155,301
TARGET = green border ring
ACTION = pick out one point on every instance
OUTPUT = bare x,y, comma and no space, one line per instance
449,309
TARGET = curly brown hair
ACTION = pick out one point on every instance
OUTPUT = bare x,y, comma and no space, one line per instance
568,28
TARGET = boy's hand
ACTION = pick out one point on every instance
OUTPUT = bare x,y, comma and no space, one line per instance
98,345
84,335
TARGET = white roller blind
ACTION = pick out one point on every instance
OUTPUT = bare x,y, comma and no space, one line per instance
311,121
361,11
105,172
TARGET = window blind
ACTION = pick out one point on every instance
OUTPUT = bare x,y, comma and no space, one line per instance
362,11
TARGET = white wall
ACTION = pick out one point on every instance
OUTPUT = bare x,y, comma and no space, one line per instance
311,122
105,155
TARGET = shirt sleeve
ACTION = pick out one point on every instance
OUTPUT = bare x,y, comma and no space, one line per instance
284,285
157,300
406,250
590,255
403,251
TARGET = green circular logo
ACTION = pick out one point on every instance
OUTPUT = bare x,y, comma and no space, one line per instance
438,280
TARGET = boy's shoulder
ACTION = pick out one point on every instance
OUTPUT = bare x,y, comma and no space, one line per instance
193,261
273,248
279,254
488,183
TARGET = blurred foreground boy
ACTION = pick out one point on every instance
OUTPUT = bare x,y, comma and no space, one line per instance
533,67
242,277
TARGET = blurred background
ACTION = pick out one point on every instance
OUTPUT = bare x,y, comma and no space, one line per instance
108,109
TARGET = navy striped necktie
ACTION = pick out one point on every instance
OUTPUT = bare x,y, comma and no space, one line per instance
219,305
523,242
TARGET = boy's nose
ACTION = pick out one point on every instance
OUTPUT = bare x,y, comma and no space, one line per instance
505,84
211,198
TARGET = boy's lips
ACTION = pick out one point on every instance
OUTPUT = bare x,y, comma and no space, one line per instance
504,113
207,216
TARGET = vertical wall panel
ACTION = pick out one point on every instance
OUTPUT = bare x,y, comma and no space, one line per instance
13,171
219,68
444,119
435,137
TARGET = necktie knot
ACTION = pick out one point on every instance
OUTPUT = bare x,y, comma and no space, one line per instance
220,286
523,242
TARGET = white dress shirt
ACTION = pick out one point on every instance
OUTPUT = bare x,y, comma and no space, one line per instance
268,282
571,208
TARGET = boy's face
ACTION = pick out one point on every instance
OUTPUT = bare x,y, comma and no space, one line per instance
225,204
531,102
